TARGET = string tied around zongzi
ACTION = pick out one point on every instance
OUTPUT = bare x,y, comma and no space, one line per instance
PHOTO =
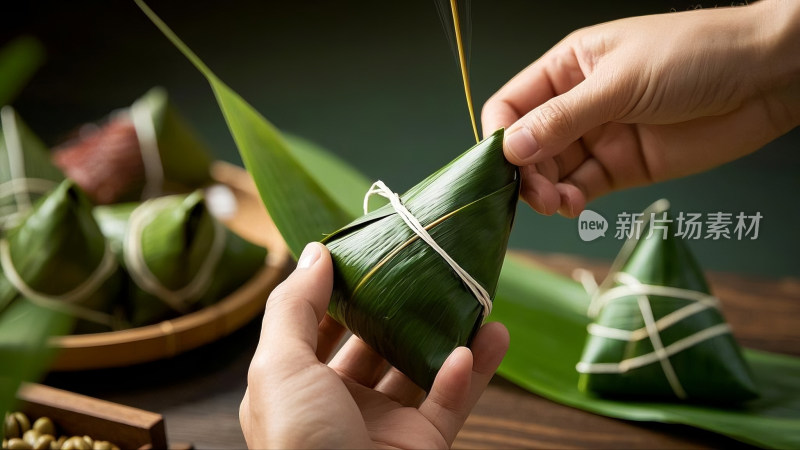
64,302
631,286
21,185
142,118
137,267
380,188
619,285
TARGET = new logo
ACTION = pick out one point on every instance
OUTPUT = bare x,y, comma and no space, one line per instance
591,225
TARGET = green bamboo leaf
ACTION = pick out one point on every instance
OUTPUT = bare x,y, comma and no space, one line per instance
711,371
545,314
26,171
268,159
179,256
327,170
24,354
395,292
19,59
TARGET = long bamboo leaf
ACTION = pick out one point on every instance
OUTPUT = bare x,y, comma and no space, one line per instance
327,170
302,210
544,312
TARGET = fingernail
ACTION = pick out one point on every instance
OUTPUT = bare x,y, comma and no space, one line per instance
521,144
309,256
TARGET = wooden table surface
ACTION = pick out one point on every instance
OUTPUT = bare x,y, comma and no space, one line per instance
199,392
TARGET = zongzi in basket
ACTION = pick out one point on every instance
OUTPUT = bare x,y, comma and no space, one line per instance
396,289
179,257
26,172
658,333
142,152
58,259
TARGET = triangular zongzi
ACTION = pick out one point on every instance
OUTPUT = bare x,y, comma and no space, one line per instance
658,333
178,255
59,259
26,172
396,292
141,152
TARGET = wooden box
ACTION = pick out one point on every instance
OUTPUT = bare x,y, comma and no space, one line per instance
79,415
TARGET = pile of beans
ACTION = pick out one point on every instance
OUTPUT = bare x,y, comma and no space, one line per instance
19,434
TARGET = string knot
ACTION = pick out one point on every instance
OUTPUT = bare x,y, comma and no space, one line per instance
380,188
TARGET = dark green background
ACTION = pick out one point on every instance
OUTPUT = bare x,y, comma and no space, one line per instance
375,82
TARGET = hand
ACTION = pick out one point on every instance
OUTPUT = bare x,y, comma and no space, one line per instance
295,400
646,99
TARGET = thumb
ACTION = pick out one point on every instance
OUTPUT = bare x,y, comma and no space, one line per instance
547,130
294,311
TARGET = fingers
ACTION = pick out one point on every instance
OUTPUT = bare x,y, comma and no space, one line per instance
556,72
538,191
294,311
463,378
488,349
398,387
541,182
359,363
551,127
446,405
330,333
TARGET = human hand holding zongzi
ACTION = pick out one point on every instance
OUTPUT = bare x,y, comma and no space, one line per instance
646,99
295,400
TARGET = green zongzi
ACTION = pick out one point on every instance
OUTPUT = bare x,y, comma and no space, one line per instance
178,255
658,333
412,297
59,259
141,152
26,172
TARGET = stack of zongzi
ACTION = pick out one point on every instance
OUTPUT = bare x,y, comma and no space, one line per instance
397,291
657,332
176,257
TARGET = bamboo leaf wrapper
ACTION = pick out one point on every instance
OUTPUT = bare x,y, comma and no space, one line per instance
26,172
179,257
59,259
401,297
669,342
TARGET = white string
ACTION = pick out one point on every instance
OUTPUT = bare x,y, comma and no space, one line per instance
148,147
64,302
601,299
655,337
650,358
140,273
16,164
11,215
26,185
631,286
379,188
661,324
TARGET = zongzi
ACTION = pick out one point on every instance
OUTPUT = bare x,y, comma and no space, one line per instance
416,295
141,152
26,172
658,333
178,255
58,259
